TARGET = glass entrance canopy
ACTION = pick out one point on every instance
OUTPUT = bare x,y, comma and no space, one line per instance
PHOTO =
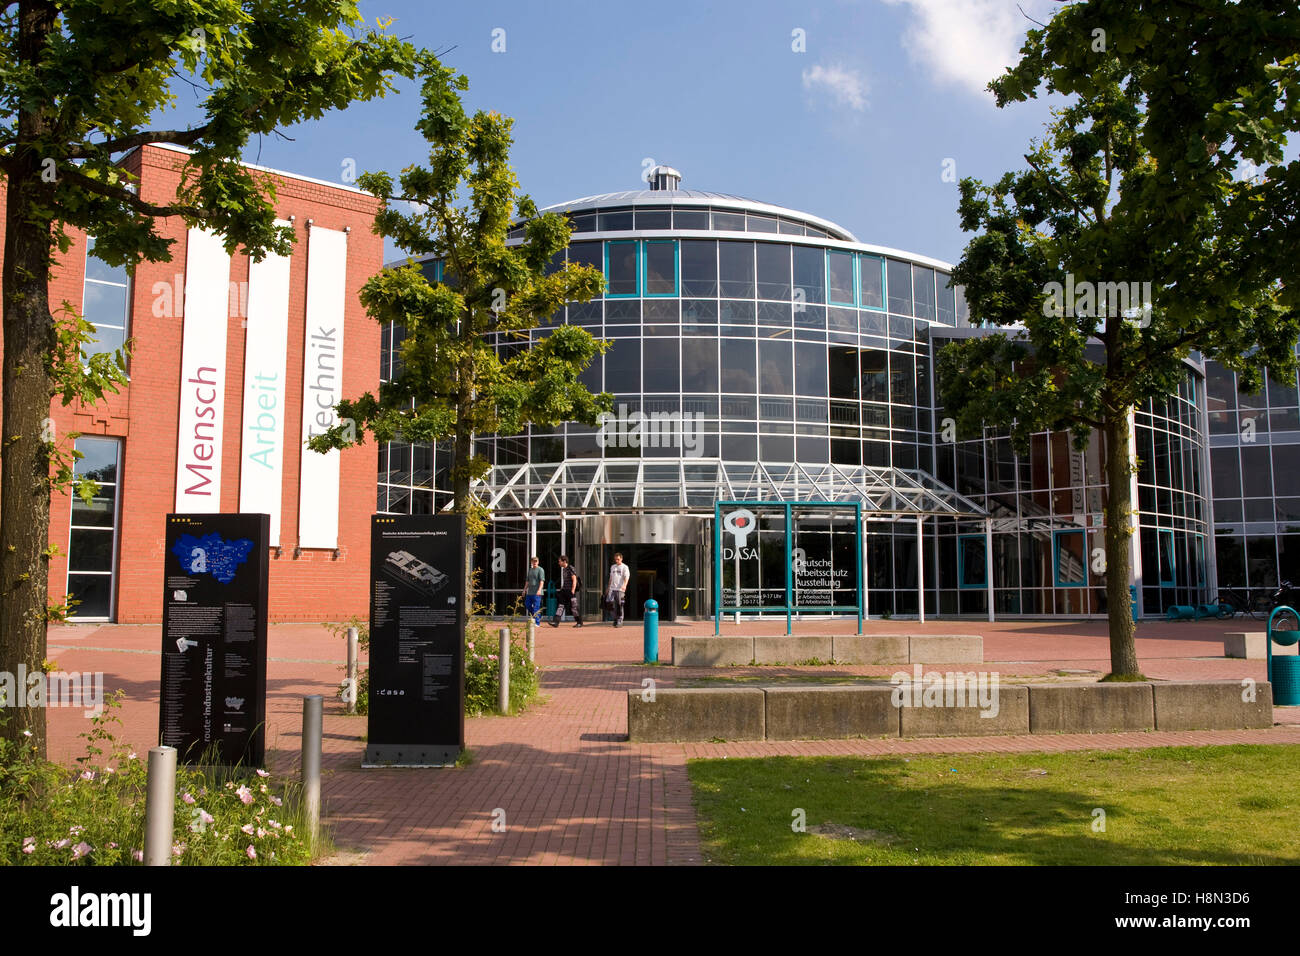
692,485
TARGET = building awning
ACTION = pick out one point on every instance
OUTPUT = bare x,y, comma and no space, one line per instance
692,485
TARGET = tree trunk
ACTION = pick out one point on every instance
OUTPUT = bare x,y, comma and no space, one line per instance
24,473
1119,506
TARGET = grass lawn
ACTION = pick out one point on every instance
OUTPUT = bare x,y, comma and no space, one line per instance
1164,806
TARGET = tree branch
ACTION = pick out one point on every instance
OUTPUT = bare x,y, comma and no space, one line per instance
110,191
177,137
1057,189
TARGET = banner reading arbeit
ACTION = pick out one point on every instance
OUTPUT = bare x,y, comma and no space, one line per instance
213,684
417,641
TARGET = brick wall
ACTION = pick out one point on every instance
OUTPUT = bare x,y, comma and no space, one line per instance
314,586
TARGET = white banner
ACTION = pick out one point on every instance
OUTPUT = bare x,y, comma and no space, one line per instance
261,463
203,374
322,385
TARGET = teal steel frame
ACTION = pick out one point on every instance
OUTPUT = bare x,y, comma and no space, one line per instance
789,608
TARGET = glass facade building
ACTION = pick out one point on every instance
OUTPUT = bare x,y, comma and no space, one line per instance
762,354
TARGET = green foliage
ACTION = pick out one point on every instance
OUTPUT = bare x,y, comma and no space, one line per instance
482,668
94,816
452,382
362,689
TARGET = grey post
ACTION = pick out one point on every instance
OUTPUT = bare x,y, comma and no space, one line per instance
532,639
503,660
160,806
351,703
312,720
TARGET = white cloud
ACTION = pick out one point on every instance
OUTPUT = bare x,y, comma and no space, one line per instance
969,42
846,86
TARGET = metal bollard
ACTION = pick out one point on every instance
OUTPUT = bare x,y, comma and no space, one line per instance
160,806
312,721
651,629
503,661
351,704
532,640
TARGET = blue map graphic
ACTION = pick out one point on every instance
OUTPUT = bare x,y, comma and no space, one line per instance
212,554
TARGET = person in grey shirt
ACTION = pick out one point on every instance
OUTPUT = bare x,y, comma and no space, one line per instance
617,589
534,582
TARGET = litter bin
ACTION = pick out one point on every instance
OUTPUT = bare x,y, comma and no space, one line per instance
1284,672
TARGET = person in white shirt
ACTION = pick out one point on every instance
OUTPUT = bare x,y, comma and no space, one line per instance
617,588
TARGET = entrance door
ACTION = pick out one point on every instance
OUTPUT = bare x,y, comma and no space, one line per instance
651,568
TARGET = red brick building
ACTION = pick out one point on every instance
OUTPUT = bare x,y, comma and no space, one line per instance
232,365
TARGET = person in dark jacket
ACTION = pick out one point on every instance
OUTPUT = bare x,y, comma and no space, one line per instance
570,585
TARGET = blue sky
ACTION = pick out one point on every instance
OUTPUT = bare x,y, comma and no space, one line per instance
855,128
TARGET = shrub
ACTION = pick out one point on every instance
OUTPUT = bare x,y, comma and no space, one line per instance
95,815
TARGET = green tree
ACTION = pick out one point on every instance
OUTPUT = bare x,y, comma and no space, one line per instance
452,382
1148,174
81,82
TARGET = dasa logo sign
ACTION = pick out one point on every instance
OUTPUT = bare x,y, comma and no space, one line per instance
740,523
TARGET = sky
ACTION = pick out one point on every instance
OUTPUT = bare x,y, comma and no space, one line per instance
863,112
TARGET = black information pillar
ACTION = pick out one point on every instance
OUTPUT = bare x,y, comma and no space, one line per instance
214,638
417,641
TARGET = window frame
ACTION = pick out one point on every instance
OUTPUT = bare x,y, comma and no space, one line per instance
961,562
1057,535
644,271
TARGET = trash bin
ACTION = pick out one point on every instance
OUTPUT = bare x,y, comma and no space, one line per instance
1284,672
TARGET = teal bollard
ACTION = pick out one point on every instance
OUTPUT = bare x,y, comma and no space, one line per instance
651,627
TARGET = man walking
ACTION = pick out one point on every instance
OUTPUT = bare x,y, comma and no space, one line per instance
534,581
616,590
570,584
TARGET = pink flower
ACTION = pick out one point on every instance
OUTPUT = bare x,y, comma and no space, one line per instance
247,828
58,844
252,854
81,849
188,797
87,775
73,831
205,817
178,849
137,855
109,770
288,828
263,773
29,844
112,846
245,795
277,801
260,833
131,755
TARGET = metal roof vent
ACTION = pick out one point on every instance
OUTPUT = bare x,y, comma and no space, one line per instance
664,177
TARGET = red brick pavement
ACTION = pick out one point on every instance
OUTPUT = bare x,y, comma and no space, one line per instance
563,779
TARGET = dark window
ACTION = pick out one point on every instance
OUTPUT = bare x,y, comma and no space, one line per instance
661,371
660,218
839,268
875,375
776,367
946,308
616,220
1225,470
699,267
923,290
729,221
738,363
660,267
691,219
871,270
755,223
623,366
700,366
587,254
1257,482
621,274
900,287
810,368
773,272
736,270
809,274
843,367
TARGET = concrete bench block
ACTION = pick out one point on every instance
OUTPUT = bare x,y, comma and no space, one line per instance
830,712
791,649
689,713
870,649
1090,708
708,651
1212,705
917,719
1251,646
945,649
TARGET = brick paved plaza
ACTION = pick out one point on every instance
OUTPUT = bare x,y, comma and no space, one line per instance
573,790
